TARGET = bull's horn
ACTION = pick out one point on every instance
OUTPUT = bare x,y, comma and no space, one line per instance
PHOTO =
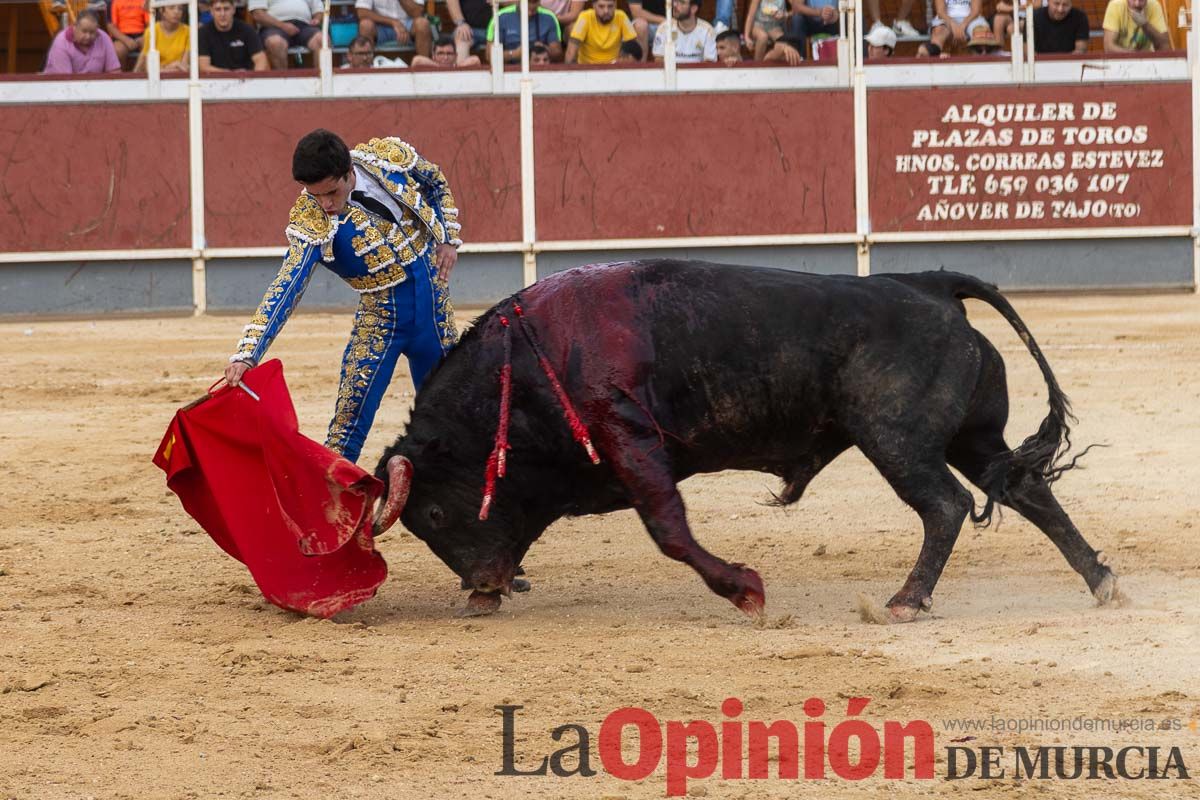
400,472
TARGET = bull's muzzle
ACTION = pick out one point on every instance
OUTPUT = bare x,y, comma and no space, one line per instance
400,475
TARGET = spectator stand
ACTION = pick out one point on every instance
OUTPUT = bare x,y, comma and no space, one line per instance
533,87
340,24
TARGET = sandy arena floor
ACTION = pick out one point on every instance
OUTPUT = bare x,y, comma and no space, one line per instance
138,661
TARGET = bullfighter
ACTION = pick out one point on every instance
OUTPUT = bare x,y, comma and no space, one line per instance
383,219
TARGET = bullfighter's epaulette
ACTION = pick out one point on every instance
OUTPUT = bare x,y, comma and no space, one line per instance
389,154
309,223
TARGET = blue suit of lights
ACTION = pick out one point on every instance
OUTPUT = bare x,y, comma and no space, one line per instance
404,308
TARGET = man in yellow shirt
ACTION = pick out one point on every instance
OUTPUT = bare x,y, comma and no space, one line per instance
598,34
1131,25
171,38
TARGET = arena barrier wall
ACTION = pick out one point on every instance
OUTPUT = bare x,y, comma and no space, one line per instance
89,176
1031,184
476,142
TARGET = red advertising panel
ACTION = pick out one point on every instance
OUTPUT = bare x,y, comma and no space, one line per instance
650,166
248,148
92,176
1030,157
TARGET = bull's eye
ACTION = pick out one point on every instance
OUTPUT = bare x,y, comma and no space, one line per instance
436,516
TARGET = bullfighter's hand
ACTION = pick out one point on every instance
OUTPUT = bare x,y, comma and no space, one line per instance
235,371
447,257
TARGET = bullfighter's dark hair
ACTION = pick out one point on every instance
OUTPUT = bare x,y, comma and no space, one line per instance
320,155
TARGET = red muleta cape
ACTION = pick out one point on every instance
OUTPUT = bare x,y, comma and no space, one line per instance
295,513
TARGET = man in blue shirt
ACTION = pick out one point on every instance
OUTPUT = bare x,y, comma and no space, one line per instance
543,29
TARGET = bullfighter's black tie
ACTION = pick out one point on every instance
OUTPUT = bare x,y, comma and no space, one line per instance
374,206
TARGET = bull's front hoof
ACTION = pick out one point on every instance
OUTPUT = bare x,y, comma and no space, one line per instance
481,604
751,597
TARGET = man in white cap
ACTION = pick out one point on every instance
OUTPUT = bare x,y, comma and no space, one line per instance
881,42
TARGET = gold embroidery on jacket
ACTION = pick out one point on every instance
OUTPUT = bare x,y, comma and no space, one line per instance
308,222
262,316
389,152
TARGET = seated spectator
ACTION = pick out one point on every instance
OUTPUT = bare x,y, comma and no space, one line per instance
631,52
539,55
930,50
983,43
399,21
788,49
695,39
647,15
360,54
543,29
765,21
881,42
598,34
227,44
726,12
565,11
127,25
814,17
287,23
171,39
902,26
956,22
1133,25
729,48
82,49
1058,28
447,55
470,19
1002,20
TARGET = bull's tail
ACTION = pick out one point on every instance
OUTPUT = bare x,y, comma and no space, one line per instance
1042,456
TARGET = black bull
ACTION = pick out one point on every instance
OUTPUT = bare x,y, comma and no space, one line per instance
678,368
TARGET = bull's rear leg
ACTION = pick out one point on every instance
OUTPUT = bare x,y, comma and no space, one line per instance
927,485
971,454
643,468
1036,503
